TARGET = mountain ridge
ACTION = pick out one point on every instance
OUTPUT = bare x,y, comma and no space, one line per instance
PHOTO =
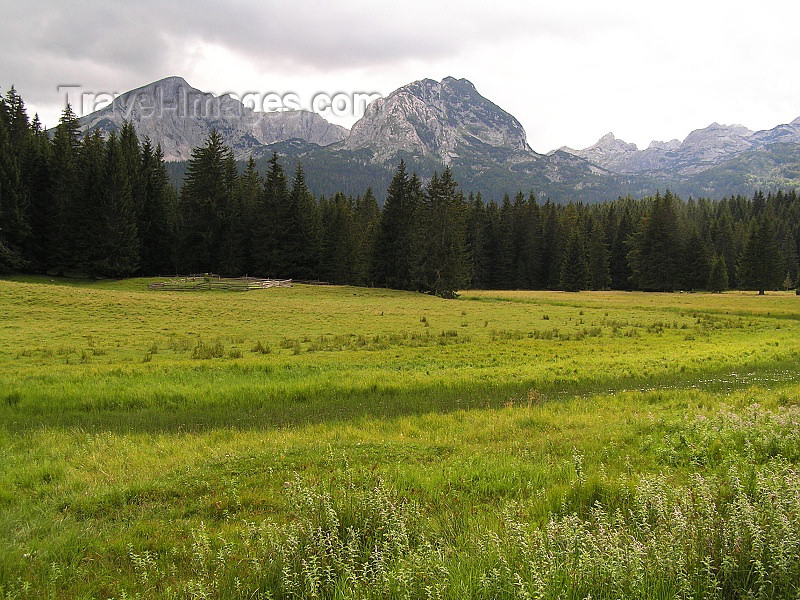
435,124
700,149
180,117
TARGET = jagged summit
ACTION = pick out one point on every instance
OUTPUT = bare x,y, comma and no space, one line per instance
180,117
430,123
701,149
441,120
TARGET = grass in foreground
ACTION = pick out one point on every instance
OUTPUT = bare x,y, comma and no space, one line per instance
340,442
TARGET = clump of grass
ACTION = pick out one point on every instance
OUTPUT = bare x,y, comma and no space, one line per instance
424,321
288,342
261,348
205,351
179,344
12,399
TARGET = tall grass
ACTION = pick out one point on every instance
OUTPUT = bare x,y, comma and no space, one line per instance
344,443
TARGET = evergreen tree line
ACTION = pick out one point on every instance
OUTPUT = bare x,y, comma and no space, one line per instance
77,204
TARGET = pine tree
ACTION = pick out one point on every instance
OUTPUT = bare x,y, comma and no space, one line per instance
724,239
233,243
301,240
790,259
395,248
156,214
62,230
574,269
119,256
339,240
367,218
697,257
761,263
249,194
598,257
718,277
655,248
13,220
204,201
552,247
494,264
270,213
619,267
505,269
478,241
90,206
444,265
37,178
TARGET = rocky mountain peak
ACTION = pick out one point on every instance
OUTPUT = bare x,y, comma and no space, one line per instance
180,117
610,142
441,120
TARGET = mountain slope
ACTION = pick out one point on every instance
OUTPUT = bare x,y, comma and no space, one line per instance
179,117
430,119
432,124
701,150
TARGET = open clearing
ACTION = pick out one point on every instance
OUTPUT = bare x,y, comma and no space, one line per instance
342,442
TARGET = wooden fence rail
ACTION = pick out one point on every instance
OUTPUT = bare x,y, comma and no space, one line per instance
195,284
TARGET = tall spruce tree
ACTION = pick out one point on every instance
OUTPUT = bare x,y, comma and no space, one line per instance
619,267
12,193
477,238
339,244
761,263
203,203
15,223
156,214
718,276
444,265
249,195
395,241
723,238
233,242
574,268
301,235
552,246
367,218
697,255
655,248
90,206
270,213
37,176
63,233
598,257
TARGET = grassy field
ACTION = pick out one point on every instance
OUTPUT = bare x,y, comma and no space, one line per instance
335,442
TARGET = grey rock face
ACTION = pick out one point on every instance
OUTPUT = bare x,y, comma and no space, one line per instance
441,120
702,149
609,152
179,117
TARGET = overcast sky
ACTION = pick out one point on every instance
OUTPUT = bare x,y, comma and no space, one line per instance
570,71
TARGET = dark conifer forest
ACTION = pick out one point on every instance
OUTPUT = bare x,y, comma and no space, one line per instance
77,204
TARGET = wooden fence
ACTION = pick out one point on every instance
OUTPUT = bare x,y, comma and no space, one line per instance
203,283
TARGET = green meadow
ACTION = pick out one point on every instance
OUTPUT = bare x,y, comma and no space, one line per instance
342,442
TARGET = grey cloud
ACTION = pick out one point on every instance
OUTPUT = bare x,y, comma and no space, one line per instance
119,44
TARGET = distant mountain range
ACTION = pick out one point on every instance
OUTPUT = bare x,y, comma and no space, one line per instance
179,117
431,124
701,150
